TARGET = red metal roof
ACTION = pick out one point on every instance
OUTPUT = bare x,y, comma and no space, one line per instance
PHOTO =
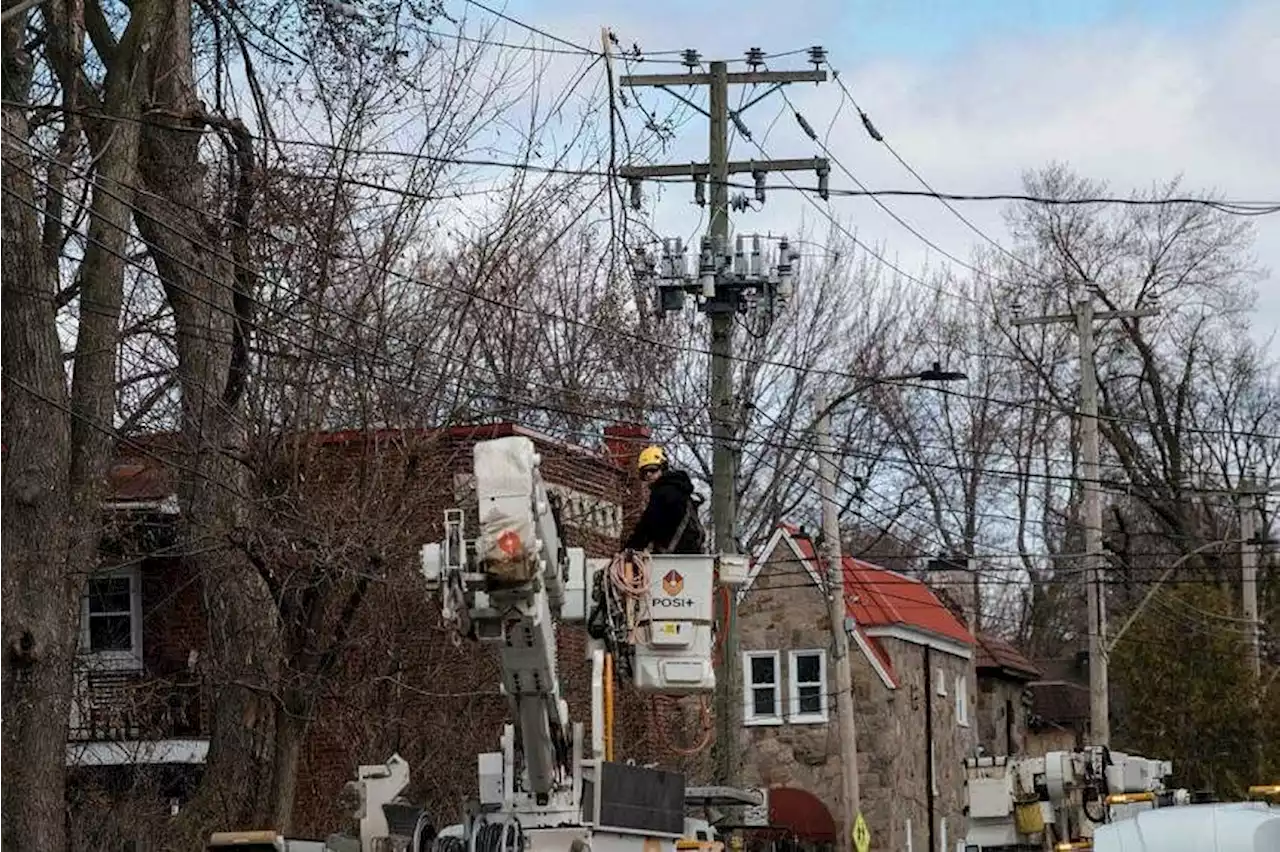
138,481
878,597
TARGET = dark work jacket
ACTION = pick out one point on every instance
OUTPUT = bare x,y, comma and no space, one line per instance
669,499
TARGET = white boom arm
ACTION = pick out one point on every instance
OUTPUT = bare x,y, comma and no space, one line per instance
519,562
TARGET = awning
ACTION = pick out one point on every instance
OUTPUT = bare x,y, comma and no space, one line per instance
801,815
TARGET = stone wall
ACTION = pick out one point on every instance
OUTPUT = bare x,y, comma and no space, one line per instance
783,611
1001,715
898,789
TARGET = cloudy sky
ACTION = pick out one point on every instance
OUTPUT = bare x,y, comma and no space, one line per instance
974,93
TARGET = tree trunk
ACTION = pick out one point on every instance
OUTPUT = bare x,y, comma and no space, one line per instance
292,723
205,283
39,620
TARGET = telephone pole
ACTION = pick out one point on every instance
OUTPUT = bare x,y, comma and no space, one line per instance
1083,317
725,285
850,798
1249,542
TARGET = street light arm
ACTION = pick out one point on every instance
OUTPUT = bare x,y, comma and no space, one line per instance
867,385
1142,604
933,374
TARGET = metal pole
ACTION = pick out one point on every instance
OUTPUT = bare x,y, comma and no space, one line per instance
1099,693
850,793
723,461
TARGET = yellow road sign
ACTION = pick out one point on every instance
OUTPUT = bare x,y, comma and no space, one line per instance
861,834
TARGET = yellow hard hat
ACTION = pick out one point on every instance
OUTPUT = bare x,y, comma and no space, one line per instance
650,457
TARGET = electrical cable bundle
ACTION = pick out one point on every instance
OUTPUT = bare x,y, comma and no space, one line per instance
661,708
447,844
629,576
497,837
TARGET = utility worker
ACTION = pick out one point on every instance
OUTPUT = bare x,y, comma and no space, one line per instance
670,521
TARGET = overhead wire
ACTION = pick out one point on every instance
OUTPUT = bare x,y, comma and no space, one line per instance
808,130
1232,207
874,133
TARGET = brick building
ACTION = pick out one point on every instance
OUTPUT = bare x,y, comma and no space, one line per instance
140,717
914,694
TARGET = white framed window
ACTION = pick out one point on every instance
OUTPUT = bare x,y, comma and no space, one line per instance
962,701
940,682
933,768
910,845
762,688
943,832
111,620
807,682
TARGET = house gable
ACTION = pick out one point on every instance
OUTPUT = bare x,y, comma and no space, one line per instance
784,556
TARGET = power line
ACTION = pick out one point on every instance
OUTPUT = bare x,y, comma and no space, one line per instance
1232,207
531,28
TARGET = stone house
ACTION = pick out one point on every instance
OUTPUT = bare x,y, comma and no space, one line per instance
1004,699
914,693
141,710
1002,672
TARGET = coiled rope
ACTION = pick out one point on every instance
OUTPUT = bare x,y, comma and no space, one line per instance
630,576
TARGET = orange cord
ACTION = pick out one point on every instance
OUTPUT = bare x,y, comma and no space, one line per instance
608,707
668,703
663,705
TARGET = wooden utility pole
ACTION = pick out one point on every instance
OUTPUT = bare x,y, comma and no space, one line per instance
850,798
1249,571
722,305
1083,317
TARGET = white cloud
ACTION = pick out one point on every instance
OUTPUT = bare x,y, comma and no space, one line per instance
1124,104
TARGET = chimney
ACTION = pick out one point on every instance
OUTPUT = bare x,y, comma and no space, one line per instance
957,584
624,441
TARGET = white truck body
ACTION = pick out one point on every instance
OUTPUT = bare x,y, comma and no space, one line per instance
1229,827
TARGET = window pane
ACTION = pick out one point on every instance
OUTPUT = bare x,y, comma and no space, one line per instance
763,701
109,594
811,699
110,633
762,670
808,668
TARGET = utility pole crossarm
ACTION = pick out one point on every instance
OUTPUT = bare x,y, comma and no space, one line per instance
735,78
1051,319
733,167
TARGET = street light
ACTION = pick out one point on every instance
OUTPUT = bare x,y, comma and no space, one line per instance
933,374
850,793
937,374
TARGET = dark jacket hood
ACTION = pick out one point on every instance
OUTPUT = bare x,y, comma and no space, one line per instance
675,479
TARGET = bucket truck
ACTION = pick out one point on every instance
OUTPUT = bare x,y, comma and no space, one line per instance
551,786
1041,804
